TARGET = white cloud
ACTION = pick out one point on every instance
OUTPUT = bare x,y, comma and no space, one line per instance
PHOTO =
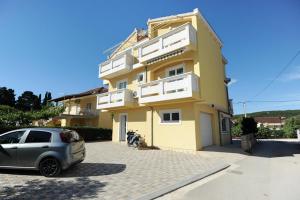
292,76
233,81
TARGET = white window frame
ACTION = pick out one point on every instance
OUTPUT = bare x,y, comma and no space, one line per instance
182,65
144,77
121,81
162,112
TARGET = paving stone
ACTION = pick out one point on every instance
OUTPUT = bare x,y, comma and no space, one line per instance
110,171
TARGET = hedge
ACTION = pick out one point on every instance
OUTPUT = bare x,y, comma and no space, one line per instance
88,133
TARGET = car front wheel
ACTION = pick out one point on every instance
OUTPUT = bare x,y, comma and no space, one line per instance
50,167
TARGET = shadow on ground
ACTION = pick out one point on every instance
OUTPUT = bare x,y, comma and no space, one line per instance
79,170
273,149
80,188
263,148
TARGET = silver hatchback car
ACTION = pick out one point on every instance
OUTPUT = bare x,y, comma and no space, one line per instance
49,150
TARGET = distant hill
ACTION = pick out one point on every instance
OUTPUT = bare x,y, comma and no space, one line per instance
275,113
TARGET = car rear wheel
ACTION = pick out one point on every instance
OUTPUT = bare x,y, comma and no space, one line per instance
50,167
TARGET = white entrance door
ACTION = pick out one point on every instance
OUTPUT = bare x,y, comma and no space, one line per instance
123,127
206,129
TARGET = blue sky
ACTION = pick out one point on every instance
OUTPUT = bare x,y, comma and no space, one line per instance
55,45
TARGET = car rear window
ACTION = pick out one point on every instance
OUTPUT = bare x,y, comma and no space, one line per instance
38,137
69,136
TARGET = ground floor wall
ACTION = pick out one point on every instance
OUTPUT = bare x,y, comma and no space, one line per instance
184,135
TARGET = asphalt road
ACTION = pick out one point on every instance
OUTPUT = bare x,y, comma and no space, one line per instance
272,172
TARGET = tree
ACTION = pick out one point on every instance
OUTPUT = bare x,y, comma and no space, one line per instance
290,127
47,98
12,117
7,97
236,129
28,102
249,125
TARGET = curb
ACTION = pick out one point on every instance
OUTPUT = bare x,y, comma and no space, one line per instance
182,183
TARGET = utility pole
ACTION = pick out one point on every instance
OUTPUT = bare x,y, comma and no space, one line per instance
244,106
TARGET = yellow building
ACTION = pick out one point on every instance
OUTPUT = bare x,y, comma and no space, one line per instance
168,84
81,110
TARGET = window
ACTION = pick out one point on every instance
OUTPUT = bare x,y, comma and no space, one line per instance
141,77
225,124
38,137
88,106
176,70
170,116
11,138
122,84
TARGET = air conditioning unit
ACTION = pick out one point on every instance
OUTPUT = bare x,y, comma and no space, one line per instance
134,94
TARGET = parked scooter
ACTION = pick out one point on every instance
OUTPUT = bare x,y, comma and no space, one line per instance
133,139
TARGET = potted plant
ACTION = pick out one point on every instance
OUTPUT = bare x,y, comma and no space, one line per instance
249,129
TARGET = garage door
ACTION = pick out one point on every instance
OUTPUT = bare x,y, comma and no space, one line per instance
206,129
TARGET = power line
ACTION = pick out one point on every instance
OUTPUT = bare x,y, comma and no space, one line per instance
267,101
278,75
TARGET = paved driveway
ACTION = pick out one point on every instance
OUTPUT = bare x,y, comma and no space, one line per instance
110,171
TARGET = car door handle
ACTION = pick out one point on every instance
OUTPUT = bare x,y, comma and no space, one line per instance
45,146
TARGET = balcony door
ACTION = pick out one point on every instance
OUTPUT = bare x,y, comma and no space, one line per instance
123,126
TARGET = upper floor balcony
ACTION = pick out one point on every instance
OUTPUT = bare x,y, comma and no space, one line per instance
121,64
76,110
182,37
115,99
171,88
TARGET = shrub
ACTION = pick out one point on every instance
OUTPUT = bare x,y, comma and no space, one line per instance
290,127
264,132
277,134
92,134
88,133
236,129
248,125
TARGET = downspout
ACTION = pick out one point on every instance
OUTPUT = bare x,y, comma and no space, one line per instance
151,126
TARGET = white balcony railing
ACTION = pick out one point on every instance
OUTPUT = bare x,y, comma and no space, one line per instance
180,37
171,88
114,99
77,110
116,66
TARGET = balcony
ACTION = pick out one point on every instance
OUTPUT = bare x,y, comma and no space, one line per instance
180,38
121,64
77,111
115,99
171,88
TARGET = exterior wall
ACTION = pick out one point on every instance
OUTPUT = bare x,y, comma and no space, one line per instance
105,120
161,72
137,120
175,136
131,40
165,27
131,80
207,63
